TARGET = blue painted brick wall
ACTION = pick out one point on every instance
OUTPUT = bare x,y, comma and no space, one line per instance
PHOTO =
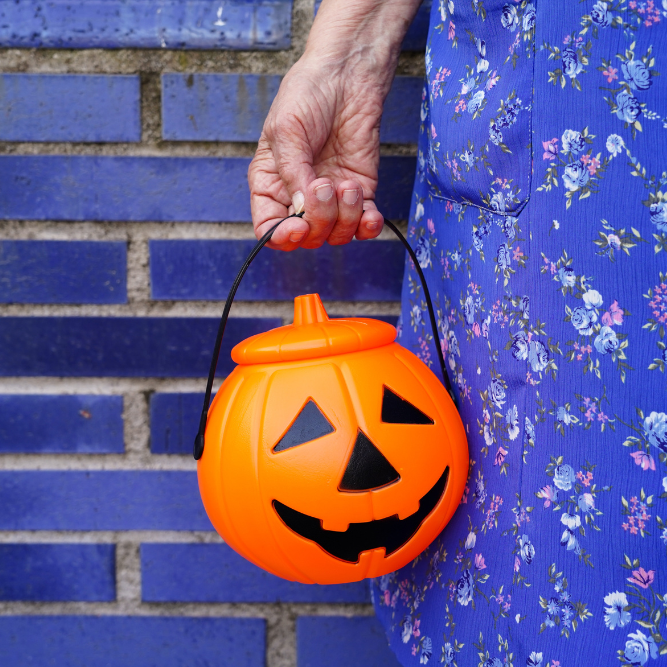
52,572
215,573
334,641
63,272
87,641
101,500
199,189
173,24
232,107
206,269
119,346
61,424
127,326
69,107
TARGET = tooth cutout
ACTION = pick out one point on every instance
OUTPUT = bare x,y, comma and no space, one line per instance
367,468
309,425
408,511
336,526
396,410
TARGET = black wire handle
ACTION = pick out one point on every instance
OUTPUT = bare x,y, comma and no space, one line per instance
198,449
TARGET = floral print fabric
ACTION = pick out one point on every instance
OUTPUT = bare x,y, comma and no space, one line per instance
540,220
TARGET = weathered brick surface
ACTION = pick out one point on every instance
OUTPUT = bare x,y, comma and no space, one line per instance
215,573
334,641
82,641
63,272
61,424
205,270
122,125
178,189
69,107
232,107
58,572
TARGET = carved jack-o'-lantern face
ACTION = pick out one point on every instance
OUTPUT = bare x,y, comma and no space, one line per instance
332,453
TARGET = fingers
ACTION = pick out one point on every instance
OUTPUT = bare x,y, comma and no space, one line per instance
371,222
350,205
321,211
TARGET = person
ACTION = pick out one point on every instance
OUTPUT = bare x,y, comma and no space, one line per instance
539,215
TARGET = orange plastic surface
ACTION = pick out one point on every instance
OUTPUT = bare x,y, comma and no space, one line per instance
313,335
240,475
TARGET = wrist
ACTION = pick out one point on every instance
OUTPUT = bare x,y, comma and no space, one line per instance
359,40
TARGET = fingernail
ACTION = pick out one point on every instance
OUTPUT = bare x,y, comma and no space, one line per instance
350,196
372,225
298,201
324,192
296,236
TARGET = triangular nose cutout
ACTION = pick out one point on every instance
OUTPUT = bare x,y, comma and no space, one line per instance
367,468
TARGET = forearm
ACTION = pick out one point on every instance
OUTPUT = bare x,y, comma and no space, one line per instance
360,38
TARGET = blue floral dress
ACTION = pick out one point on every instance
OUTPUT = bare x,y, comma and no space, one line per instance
540,219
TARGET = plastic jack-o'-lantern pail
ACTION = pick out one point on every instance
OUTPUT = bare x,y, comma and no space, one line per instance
330,452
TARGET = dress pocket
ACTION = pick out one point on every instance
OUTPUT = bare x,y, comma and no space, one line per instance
480,77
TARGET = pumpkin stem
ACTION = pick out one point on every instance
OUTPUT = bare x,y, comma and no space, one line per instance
308,309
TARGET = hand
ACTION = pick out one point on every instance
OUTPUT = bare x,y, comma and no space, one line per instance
319,152
320,146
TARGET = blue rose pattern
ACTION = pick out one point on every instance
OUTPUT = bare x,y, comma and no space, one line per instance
540,220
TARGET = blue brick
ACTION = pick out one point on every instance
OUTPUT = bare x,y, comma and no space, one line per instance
371,271
202,189
417,35
119,346
58,572
101,500
216,107
63,272
332,641
167,24
402,108
232,107
174,422
395,179
61,424
215,573
69,107
124,188
139,641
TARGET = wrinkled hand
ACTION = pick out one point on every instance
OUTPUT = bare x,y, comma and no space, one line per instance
319,152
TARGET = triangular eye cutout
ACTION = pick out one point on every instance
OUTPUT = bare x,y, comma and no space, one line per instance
396,410
309,425
367,468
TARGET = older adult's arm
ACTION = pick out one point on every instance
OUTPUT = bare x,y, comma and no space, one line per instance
320,146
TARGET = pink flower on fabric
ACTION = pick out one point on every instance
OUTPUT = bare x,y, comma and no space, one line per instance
434,134
643,459
613,316
611,73
500,456
493,80
430,225
642,578
550,149
452,31
549,494
479,562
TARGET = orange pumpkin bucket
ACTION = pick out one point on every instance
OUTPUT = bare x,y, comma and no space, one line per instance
330,452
